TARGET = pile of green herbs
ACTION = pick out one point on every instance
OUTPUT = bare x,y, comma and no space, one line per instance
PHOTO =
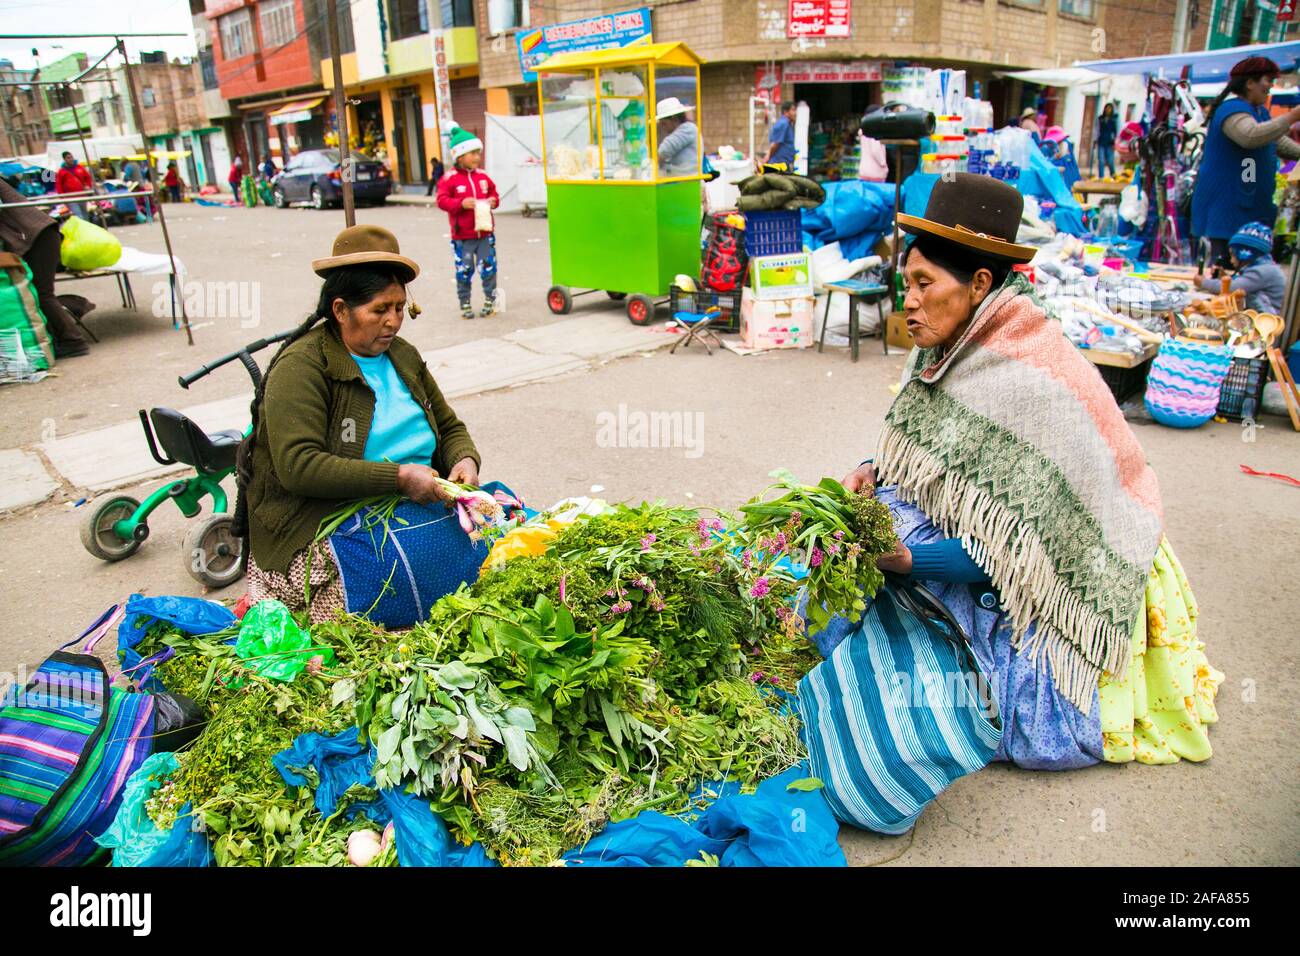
640,658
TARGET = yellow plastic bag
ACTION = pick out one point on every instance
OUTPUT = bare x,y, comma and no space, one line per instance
87,246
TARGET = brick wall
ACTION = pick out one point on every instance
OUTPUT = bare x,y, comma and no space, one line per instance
267,71
994,32
1146,27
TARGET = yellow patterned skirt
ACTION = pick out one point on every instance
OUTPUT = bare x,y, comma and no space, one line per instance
1161,711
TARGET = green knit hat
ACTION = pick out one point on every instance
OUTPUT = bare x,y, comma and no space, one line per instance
462,142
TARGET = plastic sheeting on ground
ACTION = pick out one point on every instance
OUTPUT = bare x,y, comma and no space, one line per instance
772,827
856,213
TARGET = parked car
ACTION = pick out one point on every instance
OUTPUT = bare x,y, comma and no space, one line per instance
316,176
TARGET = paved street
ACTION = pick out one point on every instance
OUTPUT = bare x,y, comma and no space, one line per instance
530,388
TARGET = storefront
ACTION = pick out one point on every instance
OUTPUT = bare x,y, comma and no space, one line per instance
298,125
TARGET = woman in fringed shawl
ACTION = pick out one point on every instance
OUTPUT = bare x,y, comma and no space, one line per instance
1024,502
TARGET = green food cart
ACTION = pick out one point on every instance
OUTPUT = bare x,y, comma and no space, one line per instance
623,153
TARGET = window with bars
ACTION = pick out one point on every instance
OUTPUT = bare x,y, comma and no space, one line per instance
208,69
317,16
1083,9
1226,18
236,34
147,96
407,18
278,26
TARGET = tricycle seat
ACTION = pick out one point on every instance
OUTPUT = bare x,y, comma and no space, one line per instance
184,441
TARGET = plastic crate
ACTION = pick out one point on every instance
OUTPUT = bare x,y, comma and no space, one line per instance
776,232
1240,395
681,300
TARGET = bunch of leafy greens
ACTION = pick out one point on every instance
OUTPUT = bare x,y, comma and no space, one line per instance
633,663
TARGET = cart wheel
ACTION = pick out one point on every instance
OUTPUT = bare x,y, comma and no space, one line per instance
558,298
616,296
97,535
212,551
640,309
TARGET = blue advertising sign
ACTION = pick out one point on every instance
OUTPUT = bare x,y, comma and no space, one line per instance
593,33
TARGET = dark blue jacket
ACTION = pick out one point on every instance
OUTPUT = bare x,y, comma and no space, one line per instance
1226,197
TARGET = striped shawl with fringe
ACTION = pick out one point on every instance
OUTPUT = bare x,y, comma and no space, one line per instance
1012,442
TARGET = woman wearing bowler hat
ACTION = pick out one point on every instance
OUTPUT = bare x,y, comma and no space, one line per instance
348,411
1024,503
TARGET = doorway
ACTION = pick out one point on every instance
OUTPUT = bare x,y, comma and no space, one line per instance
408,136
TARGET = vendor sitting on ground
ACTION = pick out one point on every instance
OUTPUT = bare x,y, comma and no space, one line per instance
1255,272
1022,499
348,411
678,139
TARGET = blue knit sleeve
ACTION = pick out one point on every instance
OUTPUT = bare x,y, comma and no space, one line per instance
946,560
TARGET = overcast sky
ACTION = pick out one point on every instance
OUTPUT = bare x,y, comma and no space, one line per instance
93,16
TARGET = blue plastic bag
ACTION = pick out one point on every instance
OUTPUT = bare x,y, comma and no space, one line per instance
340,761
137,841
187,614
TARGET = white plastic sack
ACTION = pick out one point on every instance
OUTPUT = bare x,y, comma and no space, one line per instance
1133,205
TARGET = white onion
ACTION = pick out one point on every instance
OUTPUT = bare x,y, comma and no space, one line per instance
363,847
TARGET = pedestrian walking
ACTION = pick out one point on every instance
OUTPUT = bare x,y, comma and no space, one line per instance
467,195
1107,130
172,182
72,177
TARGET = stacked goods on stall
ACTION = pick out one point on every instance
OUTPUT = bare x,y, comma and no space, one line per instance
608,661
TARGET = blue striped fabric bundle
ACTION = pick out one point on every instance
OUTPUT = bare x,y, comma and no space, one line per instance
893,716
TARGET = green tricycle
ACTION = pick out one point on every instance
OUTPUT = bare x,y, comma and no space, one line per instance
116,525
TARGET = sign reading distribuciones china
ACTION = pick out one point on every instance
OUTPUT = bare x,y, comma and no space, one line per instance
833,71
593,33
818,18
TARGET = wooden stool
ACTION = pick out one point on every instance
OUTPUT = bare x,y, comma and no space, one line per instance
858,290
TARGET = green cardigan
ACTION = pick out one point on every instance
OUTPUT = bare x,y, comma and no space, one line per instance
311,436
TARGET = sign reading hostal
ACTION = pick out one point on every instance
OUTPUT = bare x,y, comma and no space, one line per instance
593,33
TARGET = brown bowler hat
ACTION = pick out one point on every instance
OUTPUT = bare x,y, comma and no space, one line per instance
360,245
973,211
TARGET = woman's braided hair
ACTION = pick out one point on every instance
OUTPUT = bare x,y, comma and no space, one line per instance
355,285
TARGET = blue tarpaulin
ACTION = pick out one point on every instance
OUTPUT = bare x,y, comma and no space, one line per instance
856,214
1040,179
1207,66
773,827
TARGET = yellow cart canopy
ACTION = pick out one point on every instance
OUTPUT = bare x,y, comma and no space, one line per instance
665,54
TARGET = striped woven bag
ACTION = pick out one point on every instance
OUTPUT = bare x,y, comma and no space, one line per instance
898,711
68,743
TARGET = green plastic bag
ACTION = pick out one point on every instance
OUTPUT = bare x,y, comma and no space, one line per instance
20,312
87,247
273,643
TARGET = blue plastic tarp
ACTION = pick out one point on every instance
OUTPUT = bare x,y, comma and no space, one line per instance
1041,179
773,827
856,214
188,614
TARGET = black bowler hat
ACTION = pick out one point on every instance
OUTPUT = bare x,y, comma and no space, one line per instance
973,211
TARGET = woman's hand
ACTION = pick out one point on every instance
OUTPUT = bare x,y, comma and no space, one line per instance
861,480
495,202
464,472
416,482
899,562
467,202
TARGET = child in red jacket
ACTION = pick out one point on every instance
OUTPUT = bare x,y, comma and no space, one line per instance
463,188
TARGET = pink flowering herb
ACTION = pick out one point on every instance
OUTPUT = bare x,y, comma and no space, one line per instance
746,559
647,541
760,588
816,560
838,536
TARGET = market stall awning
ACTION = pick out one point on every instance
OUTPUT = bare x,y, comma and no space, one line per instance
295,112
1206,66
1062,76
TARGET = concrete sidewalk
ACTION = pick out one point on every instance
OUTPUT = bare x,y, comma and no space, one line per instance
115,456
